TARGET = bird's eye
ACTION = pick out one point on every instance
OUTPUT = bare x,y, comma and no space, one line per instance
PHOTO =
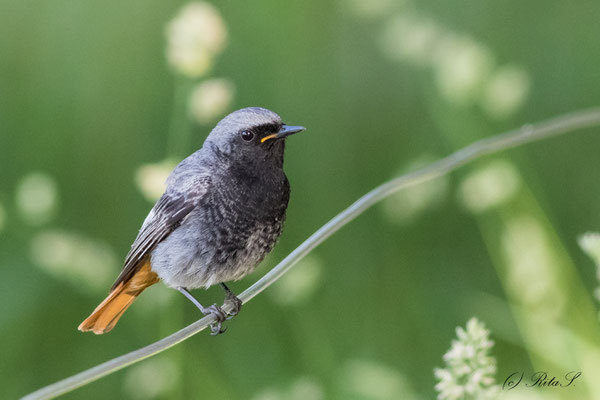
247,135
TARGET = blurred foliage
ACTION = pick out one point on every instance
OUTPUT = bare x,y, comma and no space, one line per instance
90,112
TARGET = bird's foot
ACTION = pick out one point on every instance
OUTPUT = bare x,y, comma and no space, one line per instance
220,315
235,302
217,326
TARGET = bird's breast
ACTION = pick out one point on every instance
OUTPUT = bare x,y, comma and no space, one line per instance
225,237
246,219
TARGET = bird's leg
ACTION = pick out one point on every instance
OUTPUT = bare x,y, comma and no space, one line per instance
215,327
230,297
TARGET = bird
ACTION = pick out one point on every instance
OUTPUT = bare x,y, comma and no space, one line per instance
222,212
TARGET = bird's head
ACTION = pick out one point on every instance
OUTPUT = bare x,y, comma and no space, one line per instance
252,133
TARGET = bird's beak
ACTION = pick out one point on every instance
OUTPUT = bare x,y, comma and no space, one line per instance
285,130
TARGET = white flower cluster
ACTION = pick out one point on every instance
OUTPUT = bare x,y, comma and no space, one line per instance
84,262
464,70
532,271
151,178
152,379
407,205
490,186
37,198
372,380
299,284
210,99
470,369
195,36
590,244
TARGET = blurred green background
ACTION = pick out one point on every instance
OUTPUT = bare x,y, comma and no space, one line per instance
92,114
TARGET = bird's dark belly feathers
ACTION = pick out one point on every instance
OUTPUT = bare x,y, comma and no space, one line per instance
227,237
244,224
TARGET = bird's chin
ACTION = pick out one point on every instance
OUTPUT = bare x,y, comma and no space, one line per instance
280,145
275,151
275,144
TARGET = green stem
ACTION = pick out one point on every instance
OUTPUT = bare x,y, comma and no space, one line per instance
179,138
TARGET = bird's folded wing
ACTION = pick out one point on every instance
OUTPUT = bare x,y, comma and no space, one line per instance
165,216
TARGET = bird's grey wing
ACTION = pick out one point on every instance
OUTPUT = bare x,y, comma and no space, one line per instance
165,216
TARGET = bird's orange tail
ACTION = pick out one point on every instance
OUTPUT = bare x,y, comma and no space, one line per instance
106,315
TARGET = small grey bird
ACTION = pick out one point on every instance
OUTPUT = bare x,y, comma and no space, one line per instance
222,212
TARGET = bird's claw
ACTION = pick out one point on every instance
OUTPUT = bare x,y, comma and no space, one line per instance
220,315
236,304
216,328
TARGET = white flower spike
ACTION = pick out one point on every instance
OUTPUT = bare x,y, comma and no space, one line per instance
470,369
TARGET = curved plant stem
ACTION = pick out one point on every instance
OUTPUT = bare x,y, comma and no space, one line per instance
529,133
